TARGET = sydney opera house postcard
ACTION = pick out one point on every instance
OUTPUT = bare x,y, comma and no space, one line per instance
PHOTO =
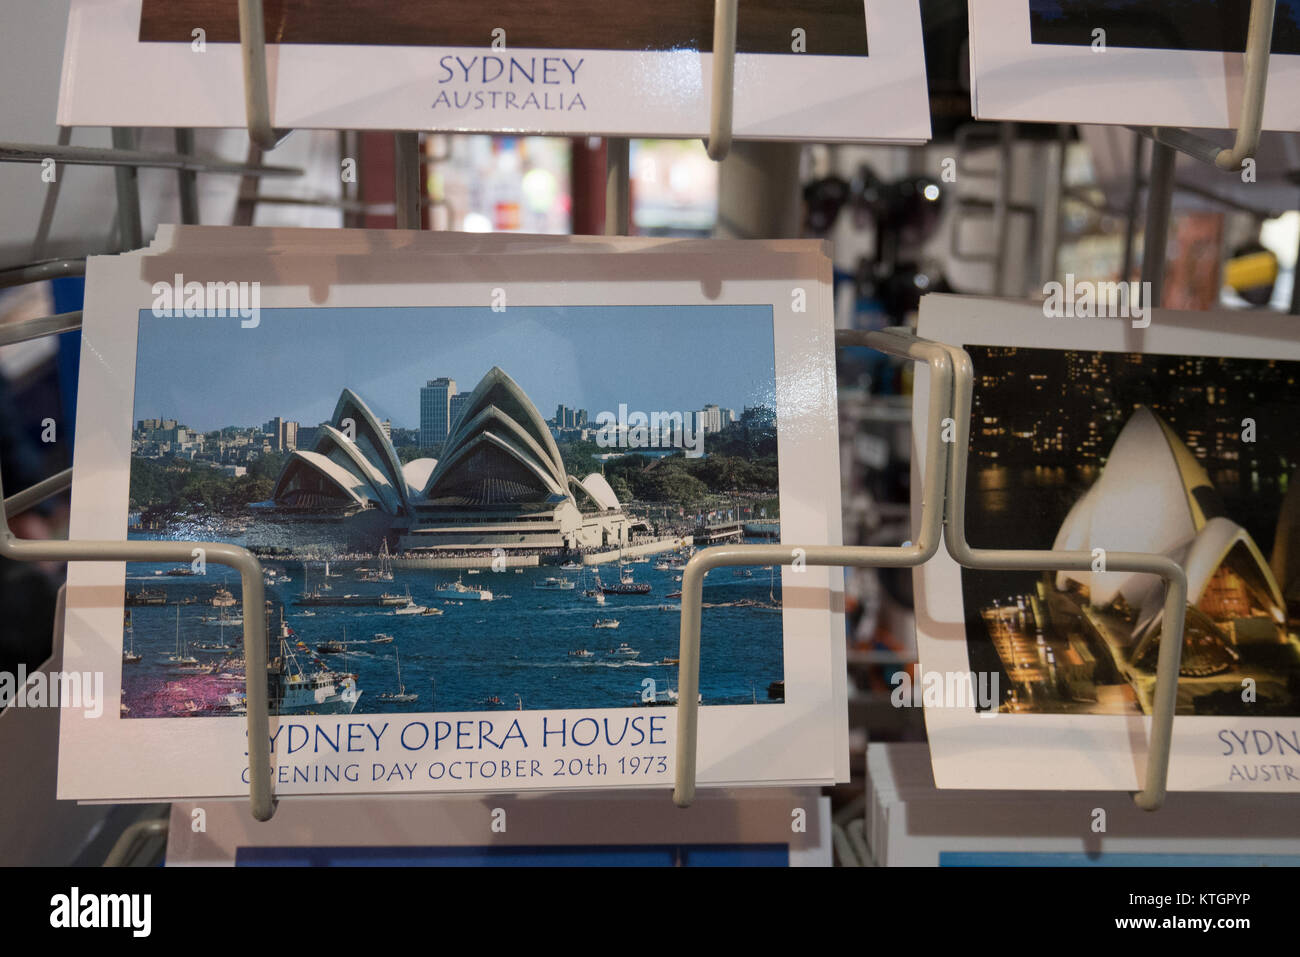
1141,62
824,70
473,502
1176,439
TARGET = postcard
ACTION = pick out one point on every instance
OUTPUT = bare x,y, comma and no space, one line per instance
822,70
1139,62
473,499
1092,434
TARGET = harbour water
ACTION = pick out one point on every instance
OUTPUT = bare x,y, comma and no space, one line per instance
515,651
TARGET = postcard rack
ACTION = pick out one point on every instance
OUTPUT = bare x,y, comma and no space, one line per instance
943,487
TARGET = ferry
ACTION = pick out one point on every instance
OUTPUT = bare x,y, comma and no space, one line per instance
626,585
459,590
554,584
222,598
146,596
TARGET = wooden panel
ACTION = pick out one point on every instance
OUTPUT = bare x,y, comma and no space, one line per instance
832,27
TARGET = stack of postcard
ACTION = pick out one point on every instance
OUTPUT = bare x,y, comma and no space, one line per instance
910,823
1160,432
1140,62
822,70
474,468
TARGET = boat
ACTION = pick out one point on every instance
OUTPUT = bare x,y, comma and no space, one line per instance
668,661
402,694
431,611
291,690
606,623
351,600
491,701
571,567
554,584
332,647
220,647
662,566
384,573
222,598
625,651
743,573
582,653
673,594
307,614
194,669
382,639
459,590
180,657
626,585
471,571
146,596
330,574
410,608
129,657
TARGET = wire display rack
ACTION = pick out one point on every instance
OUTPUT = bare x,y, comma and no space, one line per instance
942,506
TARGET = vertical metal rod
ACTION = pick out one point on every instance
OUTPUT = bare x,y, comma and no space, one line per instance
406,165
257,98
1050,249
1002,206
1134,196
618,187
130,230
1160,196
51,201
1295,284
721,109
187,181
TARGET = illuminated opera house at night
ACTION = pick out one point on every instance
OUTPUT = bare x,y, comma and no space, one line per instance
1088,641
499,482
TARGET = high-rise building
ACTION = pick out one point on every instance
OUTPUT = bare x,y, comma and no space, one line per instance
711,419
282,435
458,402
435,411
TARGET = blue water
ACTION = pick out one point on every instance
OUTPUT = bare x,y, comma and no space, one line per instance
512,646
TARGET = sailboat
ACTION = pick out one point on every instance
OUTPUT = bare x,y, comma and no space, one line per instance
129,657
385,571
180,658
402,694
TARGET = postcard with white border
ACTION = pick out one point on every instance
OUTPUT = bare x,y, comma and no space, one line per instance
473,491
821,70
1088,434
1139,62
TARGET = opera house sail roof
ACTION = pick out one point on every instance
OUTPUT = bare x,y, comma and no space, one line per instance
1153,496
499,463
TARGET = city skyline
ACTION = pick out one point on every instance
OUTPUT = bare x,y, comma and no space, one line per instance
591,357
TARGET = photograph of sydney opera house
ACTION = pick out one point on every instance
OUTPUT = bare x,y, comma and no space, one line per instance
1196,458
434,536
